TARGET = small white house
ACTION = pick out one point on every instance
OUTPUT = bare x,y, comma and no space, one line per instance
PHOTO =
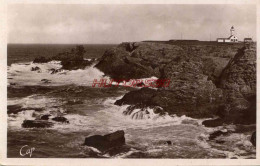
231,39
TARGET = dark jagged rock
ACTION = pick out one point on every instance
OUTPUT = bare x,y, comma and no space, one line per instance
36,124
245,128
238,82
253,138
143,112
213,123
14,109
41,60
201,85
195,98
54,71
220,141
72,60
75,64
45,117
169,142
106,142
36,69
60,119
217,134
146,59
142,96
137,60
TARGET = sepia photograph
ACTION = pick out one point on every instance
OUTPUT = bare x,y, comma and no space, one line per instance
131,81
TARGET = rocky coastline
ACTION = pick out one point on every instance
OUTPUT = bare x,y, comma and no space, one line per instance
216,81
206,80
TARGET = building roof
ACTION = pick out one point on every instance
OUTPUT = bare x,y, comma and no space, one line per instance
231,36
247,38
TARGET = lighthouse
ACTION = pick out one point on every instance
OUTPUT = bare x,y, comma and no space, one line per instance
232,31
231,39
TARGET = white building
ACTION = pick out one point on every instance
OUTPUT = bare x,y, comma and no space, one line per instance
231,39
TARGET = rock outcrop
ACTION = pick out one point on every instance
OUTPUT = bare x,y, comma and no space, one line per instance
36,124
106,142
190,92
45,117
15,109
72,60
205,80
60,119
137,60
146,59
238,81
41,60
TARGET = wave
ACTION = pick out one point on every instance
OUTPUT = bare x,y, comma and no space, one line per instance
155,128
111,117
21,74
50,74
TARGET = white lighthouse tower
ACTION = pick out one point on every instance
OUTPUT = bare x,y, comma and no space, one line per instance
232,31
232,38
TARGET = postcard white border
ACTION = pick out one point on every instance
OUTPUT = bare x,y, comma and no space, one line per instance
106,162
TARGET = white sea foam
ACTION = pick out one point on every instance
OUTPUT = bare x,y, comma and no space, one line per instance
112,118
21,74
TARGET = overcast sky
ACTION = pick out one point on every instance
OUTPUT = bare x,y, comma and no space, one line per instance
53,23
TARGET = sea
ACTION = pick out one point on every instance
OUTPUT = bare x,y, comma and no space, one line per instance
91,111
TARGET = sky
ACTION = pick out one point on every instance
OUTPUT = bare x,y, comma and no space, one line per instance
113,23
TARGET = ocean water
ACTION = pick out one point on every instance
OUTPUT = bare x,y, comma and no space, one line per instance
91,111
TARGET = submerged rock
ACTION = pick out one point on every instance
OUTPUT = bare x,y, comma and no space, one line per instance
45,117
36,124
169,142
46,81
217,134
60,119
213,123
54,71
14,109
106,142
36,69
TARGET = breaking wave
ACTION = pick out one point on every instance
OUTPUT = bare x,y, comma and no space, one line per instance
21,74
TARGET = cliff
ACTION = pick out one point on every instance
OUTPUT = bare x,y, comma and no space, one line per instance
206,80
